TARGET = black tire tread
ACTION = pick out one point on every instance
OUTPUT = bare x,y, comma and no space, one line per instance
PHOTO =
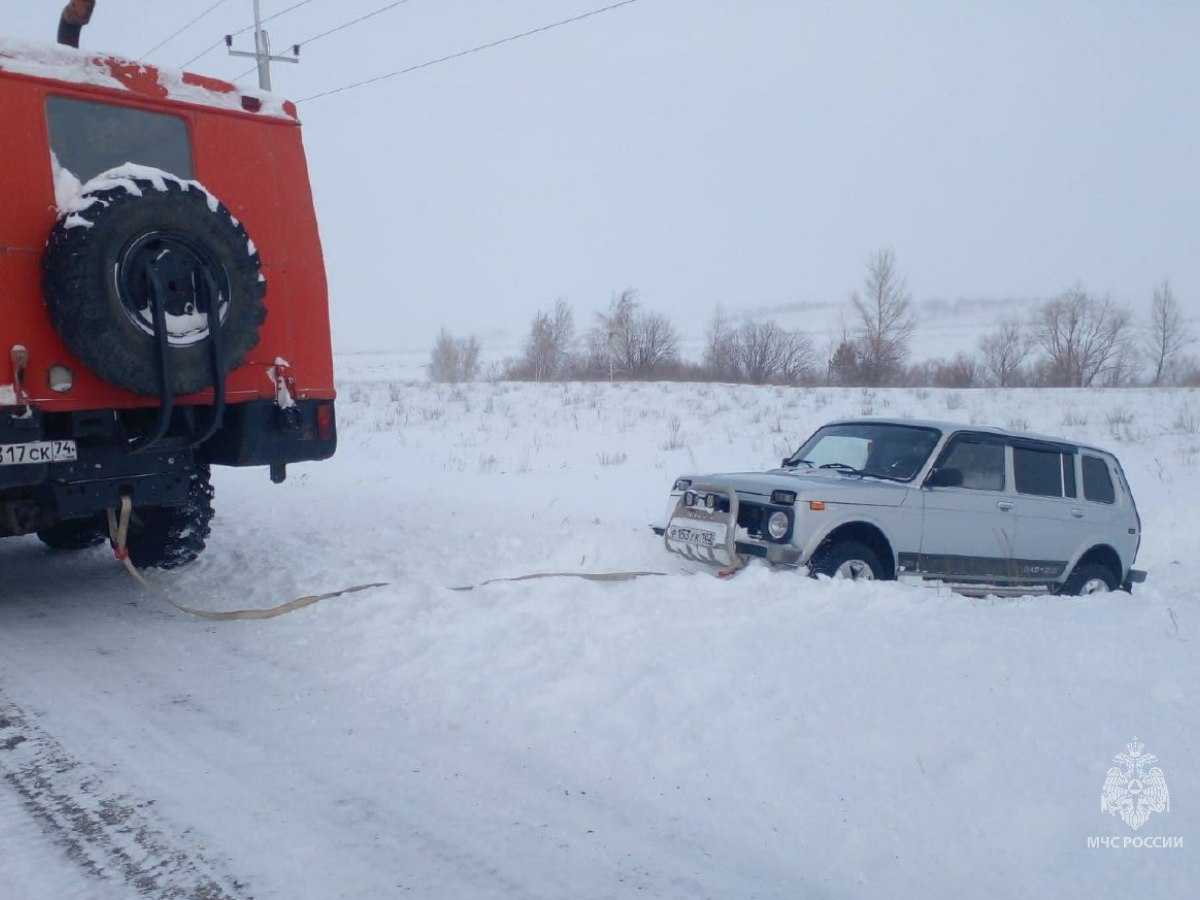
74,534
82,299
167,537
1085,572
829,557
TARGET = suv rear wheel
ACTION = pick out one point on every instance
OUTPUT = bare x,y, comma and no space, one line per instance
1089,578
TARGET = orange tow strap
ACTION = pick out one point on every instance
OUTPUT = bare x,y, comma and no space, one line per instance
118,530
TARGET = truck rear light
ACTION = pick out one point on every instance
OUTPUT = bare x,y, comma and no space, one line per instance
325,421
60,379
251,104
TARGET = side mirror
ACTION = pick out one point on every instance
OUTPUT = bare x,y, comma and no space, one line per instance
783,464
944,478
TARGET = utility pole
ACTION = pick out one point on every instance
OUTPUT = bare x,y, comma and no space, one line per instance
262,51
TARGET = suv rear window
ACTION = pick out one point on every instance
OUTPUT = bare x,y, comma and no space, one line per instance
89,138
1042,472
1097,483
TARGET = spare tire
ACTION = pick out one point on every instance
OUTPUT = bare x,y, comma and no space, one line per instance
97,285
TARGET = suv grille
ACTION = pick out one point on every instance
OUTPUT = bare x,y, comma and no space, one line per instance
753,517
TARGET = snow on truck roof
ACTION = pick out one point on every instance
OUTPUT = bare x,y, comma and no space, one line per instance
55,62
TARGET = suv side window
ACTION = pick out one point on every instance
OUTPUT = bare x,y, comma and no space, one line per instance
89,138
1097,483
1044,472
979,459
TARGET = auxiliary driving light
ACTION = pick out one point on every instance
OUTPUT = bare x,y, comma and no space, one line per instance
689,499
710,500
60,378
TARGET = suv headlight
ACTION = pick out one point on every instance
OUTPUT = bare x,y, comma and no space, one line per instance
777,525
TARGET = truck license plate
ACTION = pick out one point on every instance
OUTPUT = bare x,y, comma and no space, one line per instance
36,452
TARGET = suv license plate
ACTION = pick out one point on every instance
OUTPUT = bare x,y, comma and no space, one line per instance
713,536
37,452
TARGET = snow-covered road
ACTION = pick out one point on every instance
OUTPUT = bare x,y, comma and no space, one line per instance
673,736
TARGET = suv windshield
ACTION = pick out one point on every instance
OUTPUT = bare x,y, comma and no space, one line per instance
868,448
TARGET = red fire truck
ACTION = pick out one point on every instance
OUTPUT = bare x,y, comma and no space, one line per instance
163,305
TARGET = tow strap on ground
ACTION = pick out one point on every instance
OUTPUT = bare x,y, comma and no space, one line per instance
118,531
586,576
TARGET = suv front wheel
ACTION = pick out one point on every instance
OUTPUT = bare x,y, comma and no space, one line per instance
846,559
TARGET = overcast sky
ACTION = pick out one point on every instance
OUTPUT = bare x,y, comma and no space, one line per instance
749,154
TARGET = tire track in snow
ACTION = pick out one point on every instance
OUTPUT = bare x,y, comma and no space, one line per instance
111,836
32,865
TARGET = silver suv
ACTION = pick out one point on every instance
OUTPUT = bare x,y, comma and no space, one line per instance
980,508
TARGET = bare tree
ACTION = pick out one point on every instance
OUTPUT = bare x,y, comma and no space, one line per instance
547,349
885,321
609,341
454,359
960,372
657,345
718,360
620,327
765,353
468,356
630,341
1188,371
1005,351
1085,340
1168,333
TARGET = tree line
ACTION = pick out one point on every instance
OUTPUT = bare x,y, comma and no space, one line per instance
1076,339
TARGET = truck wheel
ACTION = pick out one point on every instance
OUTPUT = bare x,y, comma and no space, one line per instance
846,559
74,534
167,537
1089,578
96,281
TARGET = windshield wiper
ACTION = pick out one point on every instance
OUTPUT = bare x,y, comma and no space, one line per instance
842,467
792,463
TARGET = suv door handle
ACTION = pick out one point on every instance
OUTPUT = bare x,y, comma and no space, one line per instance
1005,505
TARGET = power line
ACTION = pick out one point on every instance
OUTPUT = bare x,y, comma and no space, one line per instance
249,27
353,22
462,53
203,53
176,34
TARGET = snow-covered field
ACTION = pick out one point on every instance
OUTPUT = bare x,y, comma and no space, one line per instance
674,736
